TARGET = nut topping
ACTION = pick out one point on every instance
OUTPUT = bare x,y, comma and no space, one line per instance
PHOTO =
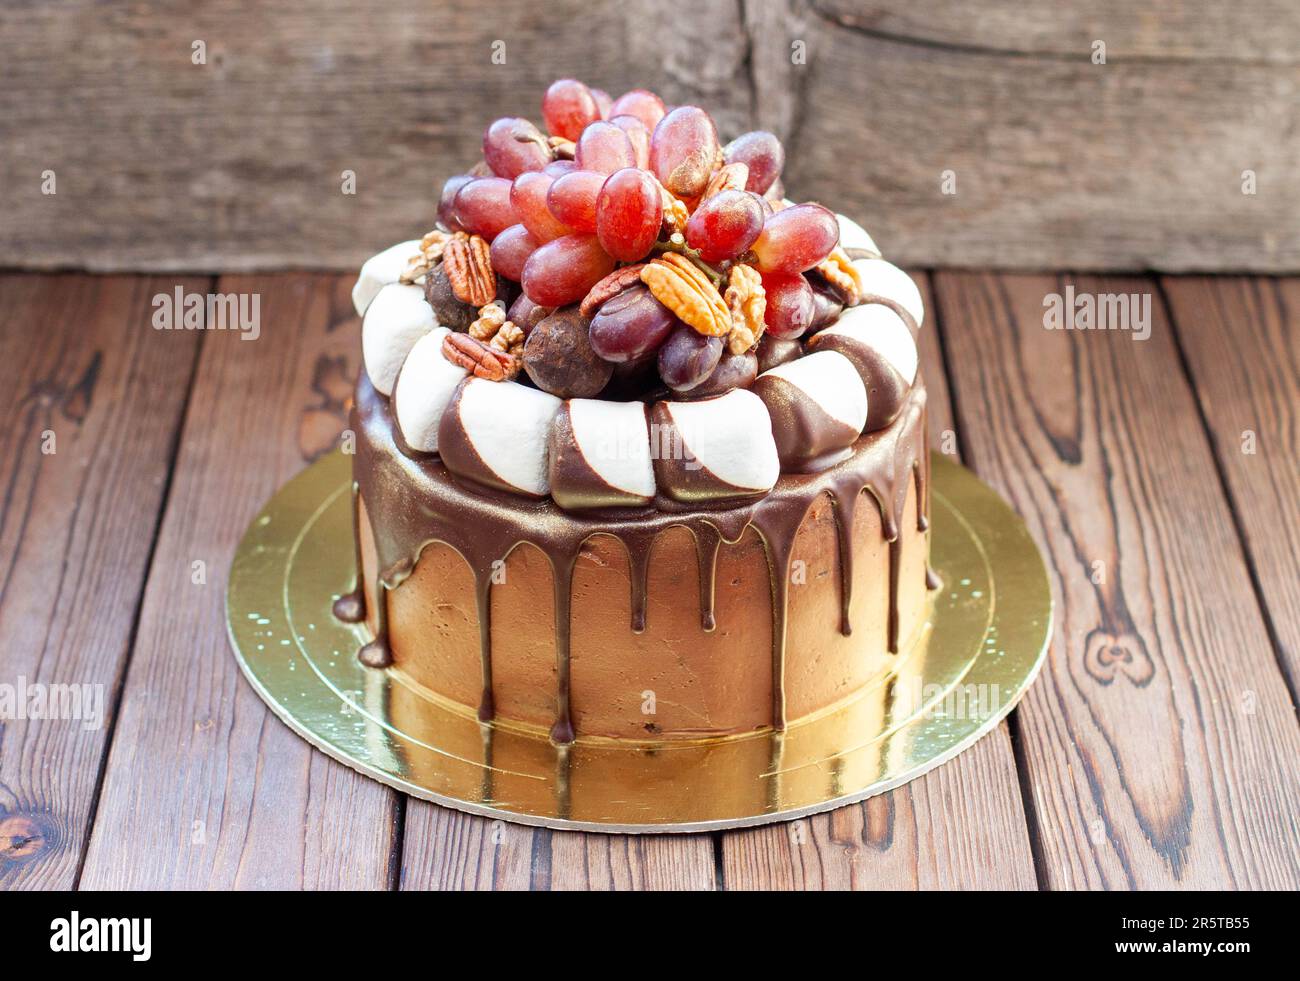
747,301
683,288
838,270
609,287
431,249
732,177
468,264
479,359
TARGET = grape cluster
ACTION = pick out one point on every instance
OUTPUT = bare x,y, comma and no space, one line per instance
563,209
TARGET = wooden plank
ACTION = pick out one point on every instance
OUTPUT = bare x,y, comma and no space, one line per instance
1240,337
92,401
961,826
238,163
1160,740
204,787
445,849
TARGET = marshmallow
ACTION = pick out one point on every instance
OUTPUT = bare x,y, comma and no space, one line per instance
714,449
880,345
397,318
884,282
423,389
600,455
380,270
496,434
818,406
854,236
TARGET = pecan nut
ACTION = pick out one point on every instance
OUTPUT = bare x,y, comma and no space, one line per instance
609,287
479,359
747,301
683,288
838,270
732,177
468,264
431,249
561,148
490,319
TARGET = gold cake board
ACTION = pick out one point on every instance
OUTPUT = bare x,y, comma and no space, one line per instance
984,642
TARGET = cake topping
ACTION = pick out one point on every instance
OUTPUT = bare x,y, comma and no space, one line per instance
747,301
879,344
480,359
714,450
600,455
559,358
496,434
380,270
818,406
423,389
466,261
682,286
396,318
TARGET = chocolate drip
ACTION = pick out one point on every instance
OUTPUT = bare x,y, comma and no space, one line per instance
415,501
351,606
932,580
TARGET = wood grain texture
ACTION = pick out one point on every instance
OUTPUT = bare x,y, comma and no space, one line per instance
1160,740
204,787
92,401
961,826
1241,338
237,163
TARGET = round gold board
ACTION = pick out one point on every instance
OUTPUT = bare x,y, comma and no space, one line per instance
984,642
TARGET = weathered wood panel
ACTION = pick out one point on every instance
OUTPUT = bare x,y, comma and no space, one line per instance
1242,341
1160,740
961,826
236,163
92,401
204,787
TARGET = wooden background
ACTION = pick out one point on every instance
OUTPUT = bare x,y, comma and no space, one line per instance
1137,164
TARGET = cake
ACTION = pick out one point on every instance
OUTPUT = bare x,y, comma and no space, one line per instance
640,444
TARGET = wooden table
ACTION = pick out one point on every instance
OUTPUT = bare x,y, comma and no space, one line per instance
1159,747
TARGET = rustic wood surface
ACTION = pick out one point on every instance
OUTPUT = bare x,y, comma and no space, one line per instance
1156,749
237,163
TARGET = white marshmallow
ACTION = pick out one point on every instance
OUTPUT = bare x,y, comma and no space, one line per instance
614,439
829,380
509,425
882,278
397,318
380,270
425,386
880,328
854,236
731,437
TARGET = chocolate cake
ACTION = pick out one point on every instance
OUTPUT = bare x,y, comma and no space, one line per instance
640,444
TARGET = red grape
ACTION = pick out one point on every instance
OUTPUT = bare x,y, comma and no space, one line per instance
639,135
564,270
629,214
604,147
512,146
603,102
528,198
447,200
725,225
568,107
764,155
790,304
630,325
733,371
683,149
796,239
558,168
572,199
688,357
645,106
482,206
827,306
525,314
510,250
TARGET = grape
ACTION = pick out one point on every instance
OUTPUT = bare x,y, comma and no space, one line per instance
482,206
604,147
558,168
564,270
630,326
629,214
525,314
773,351
796,239
776,192
528,198
725,225
790,304
510,250
733,371
645,106
640,136
764,155
827,306
572,199
603,102
568,107
447,200
688,357
512,146
683,148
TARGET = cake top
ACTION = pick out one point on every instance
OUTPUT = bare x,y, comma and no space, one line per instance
625,272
